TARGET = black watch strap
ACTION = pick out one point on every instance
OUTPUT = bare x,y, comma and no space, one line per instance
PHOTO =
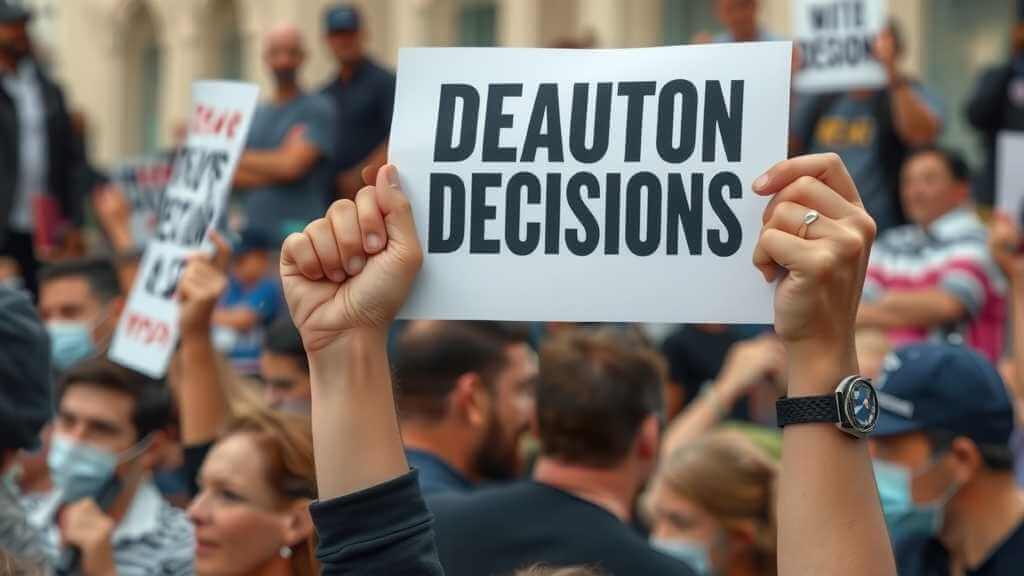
807,410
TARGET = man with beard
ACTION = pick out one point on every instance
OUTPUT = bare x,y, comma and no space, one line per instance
286,168
465,400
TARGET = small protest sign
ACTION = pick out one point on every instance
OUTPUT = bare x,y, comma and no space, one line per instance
606,185
835,41
195,198
1010,174
143,180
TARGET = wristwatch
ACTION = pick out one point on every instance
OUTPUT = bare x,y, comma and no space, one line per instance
853,408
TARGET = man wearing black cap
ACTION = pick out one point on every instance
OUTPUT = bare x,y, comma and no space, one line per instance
364,95
24,409
943,464
39,160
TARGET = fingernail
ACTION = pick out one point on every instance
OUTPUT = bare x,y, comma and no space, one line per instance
336,276
372,242
761,182
390,175
355,265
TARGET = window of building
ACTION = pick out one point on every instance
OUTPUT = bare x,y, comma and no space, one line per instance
477,23
684,19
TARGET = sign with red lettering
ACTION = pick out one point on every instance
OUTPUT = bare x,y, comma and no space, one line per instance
194,200
590,185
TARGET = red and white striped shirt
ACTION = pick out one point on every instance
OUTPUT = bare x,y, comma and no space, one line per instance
950,255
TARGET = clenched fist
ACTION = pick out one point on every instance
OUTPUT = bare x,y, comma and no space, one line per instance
824,262
353,268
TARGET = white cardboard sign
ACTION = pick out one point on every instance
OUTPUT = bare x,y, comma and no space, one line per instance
1010,174
195,198
835,40
590,185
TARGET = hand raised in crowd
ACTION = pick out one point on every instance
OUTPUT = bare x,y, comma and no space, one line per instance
84,526
816,300
885,50
202,283
353,268
751,362
114,214
1004,243
817,231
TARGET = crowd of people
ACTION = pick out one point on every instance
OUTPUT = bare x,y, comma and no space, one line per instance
301,429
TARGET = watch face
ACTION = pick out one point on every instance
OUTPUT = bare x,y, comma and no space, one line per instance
862,405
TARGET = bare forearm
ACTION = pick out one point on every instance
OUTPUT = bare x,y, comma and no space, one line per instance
830,518
356,439
701,415
916,309
1017,382
916,124
201,399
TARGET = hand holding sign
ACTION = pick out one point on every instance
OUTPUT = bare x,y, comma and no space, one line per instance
353,268
816,302
200,287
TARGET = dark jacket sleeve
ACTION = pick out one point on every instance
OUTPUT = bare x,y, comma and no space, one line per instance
384,530
194,457
985,106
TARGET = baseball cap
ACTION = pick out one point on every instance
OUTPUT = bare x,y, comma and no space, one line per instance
944,388
26,381
13,11
342,18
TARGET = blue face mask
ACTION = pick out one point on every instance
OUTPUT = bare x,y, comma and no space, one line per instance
70,343
903,516
82,471
693,554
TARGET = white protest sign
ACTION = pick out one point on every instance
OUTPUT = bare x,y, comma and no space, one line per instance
836,39
590,185
1010,174
193,202
143,181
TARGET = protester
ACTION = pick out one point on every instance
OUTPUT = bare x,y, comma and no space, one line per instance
251,302
40,204
935,278
363,94
740,20
25,387
284,368
252,470
286,168
943,464
1004,243
107,434
466,397
712,505
997,105
81,302
372,518
748,364
696,355
873,130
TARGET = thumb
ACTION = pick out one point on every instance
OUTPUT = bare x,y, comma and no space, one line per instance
395,208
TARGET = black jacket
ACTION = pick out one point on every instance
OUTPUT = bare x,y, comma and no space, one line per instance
991,110
66,158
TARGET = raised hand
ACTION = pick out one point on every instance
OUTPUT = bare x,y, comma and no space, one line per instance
202,283
817,298
1004,242
353,268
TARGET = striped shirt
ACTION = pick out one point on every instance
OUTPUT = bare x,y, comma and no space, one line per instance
950,255
17,536
153,538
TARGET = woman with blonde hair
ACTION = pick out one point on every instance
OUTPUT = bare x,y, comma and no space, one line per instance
712,505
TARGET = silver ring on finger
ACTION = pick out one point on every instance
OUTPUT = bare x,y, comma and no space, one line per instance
810,218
